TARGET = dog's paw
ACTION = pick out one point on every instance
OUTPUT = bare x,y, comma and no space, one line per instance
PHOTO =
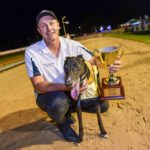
105,135
77,143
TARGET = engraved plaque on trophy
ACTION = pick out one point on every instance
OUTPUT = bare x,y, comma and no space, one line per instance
112,88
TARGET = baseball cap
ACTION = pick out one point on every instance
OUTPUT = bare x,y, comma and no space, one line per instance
45,13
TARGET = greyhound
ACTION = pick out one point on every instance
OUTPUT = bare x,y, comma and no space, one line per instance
76,71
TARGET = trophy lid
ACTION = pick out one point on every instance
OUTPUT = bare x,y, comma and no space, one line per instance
108,49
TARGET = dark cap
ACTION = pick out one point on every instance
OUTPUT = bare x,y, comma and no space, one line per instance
45,13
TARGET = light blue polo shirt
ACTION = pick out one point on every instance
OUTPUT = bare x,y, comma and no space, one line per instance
41,61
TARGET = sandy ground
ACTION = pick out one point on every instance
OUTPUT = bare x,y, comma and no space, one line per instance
24,127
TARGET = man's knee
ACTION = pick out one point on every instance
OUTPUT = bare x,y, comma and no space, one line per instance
57,113
59,107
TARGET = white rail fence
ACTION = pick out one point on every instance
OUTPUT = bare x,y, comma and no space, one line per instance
3,68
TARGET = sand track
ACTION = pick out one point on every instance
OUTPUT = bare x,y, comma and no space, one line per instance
23,126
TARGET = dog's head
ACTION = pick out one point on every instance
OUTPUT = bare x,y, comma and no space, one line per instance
75,70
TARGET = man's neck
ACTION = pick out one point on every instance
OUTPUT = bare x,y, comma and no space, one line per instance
54,46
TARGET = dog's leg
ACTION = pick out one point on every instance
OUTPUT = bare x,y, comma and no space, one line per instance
79,115
100,122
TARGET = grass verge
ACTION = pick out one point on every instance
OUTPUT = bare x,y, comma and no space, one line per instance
130,36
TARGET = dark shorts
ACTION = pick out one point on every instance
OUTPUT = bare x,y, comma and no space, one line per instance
58,103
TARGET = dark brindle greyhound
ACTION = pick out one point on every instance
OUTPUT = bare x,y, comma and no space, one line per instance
76,71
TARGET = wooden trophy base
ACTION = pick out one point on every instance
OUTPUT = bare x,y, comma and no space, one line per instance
112,92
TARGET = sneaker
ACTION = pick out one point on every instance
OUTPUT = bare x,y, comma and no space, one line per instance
68,133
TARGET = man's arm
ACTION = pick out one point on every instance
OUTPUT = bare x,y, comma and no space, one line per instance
43,86
112,68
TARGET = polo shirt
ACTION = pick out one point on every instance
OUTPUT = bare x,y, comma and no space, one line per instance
41,61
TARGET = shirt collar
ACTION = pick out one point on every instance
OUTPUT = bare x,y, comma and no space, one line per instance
45,49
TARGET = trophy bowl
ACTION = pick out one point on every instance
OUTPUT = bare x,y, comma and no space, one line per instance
108,55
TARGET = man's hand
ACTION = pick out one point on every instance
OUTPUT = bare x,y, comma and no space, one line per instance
116,66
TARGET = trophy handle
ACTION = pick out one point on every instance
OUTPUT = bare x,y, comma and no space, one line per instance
99,55
96,52
103,62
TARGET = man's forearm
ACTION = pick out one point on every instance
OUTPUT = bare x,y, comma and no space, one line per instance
45,86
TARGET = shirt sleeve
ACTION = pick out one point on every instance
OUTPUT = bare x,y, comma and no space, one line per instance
31,65
81,50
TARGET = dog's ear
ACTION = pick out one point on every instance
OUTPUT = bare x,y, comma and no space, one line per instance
80,56
66,62
68,57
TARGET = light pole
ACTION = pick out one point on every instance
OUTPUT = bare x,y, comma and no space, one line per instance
64,22
63,18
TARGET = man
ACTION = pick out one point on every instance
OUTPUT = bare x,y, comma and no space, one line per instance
44,62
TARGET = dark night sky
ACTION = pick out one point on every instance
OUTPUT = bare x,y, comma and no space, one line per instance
17,17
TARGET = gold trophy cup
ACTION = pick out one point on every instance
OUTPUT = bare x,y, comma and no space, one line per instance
112,87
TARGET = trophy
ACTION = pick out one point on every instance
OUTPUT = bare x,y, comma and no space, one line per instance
111,87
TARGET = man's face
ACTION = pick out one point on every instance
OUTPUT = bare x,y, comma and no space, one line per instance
48,27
